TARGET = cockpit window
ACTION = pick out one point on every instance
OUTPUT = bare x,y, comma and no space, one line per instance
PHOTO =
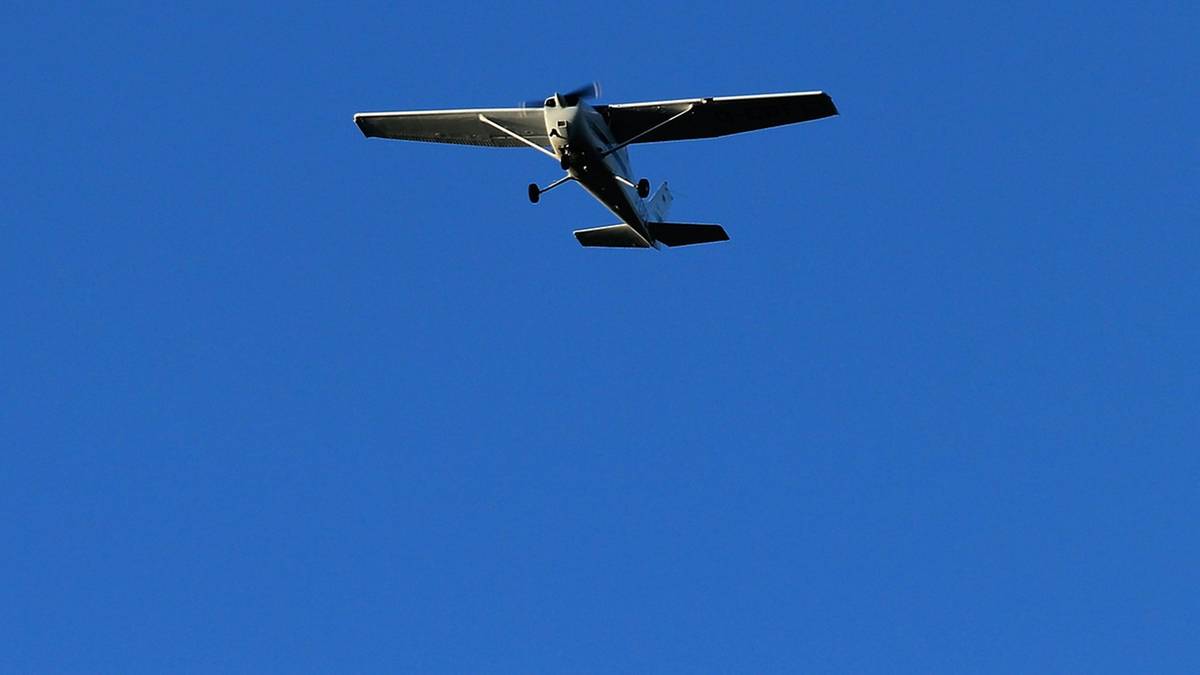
551,103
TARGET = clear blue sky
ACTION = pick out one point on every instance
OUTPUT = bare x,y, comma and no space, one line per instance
278,398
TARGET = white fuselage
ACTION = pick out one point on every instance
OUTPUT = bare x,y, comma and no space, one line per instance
581,134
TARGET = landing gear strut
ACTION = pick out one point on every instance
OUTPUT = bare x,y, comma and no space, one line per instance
535,192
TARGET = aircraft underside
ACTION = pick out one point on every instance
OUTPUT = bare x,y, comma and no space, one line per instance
589,144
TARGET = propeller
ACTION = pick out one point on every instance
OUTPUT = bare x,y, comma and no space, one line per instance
573,97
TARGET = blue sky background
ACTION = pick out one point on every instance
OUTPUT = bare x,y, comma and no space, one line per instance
279,398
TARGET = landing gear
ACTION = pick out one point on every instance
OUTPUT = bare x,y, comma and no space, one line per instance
565,161
535,192
643,188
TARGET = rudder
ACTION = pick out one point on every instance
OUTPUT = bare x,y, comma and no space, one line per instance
660,204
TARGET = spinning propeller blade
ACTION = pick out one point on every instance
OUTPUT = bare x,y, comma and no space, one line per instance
571,98
587,91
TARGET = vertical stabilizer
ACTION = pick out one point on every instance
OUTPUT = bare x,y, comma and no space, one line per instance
659,205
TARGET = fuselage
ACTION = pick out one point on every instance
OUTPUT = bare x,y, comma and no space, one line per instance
581,135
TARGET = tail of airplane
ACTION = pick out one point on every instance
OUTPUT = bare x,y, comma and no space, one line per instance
685,234
671,234
612,236
677,234
660,204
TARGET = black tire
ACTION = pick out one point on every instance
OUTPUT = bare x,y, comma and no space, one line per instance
564,162
534,193
643,188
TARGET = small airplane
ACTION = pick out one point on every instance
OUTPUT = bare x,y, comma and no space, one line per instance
589,143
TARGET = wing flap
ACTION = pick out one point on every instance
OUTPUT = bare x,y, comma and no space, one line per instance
461,127
718,116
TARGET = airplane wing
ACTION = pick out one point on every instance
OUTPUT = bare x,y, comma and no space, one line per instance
457,126
711,117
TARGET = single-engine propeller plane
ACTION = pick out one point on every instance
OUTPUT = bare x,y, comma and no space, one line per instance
590,145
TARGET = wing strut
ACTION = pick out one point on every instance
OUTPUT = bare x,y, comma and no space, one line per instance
517,136
656,127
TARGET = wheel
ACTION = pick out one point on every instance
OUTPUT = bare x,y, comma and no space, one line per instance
643,188
564,162
534,193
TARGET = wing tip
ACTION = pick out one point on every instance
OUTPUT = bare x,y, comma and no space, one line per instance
360,121
833,109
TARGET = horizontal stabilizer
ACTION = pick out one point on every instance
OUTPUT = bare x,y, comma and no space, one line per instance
613,236
684,234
